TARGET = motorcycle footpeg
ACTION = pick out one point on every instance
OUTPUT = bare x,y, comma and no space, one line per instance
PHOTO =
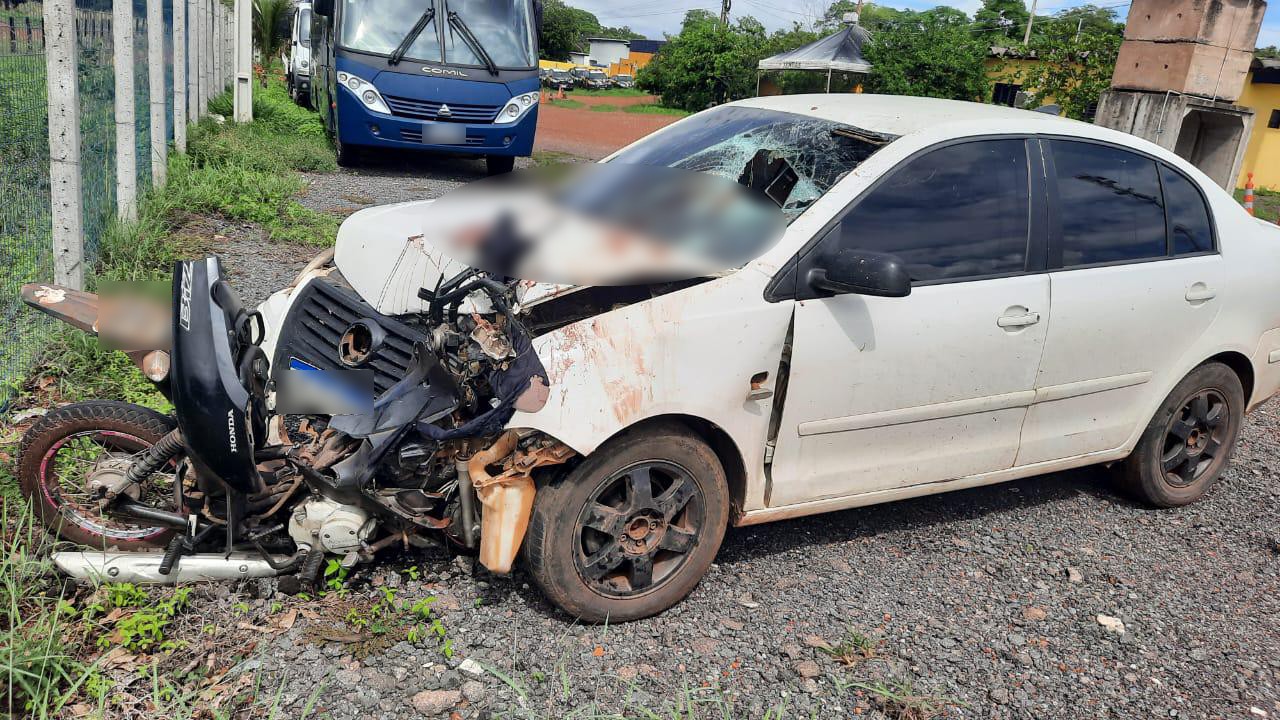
177,546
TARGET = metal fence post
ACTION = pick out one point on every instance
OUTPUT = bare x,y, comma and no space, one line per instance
180,75
126,131
155,82
244,61
61,58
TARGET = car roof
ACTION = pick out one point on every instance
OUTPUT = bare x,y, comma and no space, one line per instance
903,115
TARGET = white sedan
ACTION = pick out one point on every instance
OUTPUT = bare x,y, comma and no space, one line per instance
964,294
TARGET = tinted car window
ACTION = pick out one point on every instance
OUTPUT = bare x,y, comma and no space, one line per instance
1110,204
959,211
1188,216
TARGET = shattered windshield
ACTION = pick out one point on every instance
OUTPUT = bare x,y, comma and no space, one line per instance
726,140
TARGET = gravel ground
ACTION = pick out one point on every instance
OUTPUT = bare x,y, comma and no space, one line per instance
989,599
387,178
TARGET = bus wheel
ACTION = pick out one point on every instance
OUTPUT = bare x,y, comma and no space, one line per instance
346,155
499,164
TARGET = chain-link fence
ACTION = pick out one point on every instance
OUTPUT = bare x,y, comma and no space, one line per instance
25,220
25,252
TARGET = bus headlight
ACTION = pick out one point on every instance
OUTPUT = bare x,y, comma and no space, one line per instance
517,107
364,91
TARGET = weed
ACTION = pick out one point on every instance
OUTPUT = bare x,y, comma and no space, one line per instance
854,647
899,699
335,577
411,572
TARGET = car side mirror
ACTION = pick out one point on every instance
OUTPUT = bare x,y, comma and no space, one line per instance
861,272
323,8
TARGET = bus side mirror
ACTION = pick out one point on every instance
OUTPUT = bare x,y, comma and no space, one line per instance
537,20
322,7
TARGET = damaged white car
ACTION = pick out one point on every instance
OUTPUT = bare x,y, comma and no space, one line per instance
909,296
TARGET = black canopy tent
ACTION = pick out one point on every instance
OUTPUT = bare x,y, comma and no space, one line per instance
839,52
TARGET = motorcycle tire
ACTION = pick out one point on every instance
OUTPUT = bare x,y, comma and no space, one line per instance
116,428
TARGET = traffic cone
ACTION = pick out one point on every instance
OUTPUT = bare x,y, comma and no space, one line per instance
560,96
1248,194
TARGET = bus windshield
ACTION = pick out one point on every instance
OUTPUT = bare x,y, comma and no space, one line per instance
503,29
304,26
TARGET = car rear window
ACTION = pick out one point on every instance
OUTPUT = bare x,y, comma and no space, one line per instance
723,140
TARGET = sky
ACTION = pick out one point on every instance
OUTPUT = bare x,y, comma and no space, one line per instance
654,17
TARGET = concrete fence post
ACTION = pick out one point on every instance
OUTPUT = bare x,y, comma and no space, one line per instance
126,130
155,86
61,58
193,60
244,61
217,48
180,75
206,55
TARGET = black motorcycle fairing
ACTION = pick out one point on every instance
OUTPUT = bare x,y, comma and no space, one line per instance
211,331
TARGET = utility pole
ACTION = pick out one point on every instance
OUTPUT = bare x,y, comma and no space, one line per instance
724,11
1026,39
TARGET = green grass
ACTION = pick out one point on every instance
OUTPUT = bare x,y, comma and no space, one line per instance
603,108
567,103
1266,203
649,109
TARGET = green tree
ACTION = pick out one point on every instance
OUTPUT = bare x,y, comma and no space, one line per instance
1001,18
270,23
1073,72
707,63
1269,51
928,54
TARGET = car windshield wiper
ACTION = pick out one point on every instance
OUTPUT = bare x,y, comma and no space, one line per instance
427,17
456,22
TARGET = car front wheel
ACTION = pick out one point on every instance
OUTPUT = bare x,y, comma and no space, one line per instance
630,531
1189,441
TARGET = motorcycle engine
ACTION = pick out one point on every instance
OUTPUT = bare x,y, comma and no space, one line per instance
338,528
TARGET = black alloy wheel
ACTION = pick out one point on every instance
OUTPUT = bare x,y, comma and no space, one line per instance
638,527
1189,440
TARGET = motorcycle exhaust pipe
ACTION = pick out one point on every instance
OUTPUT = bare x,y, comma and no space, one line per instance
144,567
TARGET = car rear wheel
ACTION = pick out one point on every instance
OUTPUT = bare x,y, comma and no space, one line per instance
1189,441
630,531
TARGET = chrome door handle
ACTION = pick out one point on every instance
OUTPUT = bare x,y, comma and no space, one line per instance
1199,292
1016,321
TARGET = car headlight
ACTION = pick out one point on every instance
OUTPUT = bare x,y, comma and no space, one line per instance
364,91
517,107
303,64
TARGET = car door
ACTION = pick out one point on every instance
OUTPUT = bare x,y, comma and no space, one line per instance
1136,281
885,392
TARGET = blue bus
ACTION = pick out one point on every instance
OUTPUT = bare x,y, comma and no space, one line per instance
458,76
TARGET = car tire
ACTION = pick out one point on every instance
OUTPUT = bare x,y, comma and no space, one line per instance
603,550
128,428
499,164
1189,441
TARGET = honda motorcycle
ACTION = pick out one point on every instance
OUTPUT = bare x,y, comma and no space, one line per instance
314,425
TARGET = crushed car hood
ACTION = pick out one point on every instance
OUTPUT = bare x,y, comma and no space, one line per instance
382,252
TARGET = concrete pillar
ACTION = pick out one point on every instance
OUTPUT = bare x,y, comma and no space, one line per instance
155,84
217,47
180,75
60,57
193,59
126,129
206,54
244,61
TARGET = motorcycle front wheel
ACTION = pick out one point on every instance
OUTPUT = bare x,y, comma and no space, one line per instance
74,450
